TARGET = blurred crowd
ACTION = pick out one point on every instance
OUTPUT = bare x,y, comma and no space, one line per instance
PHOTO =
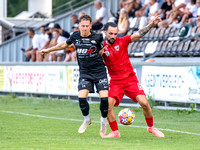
131,14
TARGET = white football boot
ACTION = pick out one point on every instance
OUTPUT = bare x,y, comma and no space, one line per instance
84,126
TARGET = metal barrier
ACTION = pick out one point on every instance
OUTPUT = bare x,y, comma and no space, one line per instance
10,50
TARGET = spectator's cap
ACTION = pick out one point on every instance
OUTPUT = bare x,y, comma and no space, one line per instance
51,25
75,25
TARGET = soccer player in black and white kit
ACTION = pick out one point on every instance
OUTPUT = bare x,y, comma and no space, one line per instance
92,70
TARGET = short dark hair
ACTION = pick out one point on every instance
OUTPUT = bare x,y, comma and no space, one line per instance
85,17
31,30
108,24
57,26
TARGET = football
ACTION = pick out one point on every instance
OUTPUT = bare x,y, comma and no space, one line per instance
126,116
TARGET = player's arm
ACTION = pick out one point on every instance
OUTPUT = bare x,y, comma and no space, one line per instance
60,46
141,32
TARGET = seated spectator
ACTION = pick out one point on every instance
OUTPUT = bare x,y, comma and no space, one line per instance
49,32
153,9
143,11
195,21
190,11
74,18
178,10
58,55
71,51
123,23
165,8
37,42
101,16
131,6
43,32
171,16
61,31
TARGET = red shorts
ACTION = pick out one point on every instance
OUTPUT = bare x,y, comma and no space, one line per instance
128,86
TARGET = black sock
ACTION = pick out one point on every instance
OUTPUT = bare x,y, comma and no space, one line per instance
104,106
84,106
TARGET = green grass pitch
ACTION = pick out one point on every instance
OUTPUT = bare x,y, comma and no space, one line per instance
34,124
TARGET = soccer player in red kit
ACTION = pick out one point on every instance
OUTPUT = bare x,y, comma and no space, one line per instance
123,78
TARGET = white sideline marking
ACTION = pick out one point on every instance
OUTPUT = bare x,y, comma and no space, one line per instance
25,114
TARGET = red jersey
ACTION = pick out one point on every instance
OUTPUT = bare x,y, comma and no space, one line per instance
117,59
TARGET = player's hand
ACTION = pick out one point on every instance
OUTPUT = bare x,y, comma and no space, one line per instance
44,51
156,20
102,51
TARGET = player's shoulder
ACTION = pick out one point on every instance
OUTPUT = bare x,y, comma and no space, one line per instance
97,36
75,34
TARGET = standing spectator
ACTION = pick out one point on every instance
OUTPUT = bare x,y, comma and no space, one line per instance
74,18
123,23
61,31
101,16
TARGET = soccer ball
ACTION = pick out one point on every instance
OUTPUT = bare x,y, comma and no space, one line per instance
126,116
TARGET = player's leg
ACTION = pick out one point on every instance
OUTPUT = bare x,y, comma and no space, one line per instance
104,111
84,88
136,93
102,88
148,115
84,107
112,119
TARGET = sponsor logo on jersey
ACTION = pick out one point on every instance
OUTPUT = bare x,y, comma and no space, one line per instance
93,42
139,86
107,53
78,42
85,50
117,48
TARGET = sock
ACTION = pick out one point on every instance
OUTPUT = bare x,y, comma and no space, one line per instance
104,106
87,118
149,121
84,106
104,120
113,125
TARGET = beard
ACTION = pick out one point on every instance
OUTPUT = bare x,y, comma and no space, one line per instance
111,41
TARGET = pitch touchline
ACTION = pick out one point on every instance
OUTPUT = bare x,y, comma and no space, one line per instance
25,114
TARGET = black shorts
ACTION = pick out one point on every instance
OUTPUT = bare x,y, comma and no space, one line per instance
85,83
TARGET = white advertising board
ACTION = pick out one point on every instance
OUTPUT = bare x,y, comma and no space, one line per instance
24,78
56,80
171,83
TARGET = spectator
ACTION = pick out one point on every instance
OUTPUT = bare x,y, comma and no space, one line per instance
123,23
36,43
178,10
143,11
165,8
43,33
40,57
74,18
75,27
82,13
131,6
101,16
153,9
190,11
61,31
71,51
195,21
58,55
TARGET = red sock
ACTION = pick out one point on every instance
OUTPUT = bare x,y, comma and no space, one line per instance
113,125
149,121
